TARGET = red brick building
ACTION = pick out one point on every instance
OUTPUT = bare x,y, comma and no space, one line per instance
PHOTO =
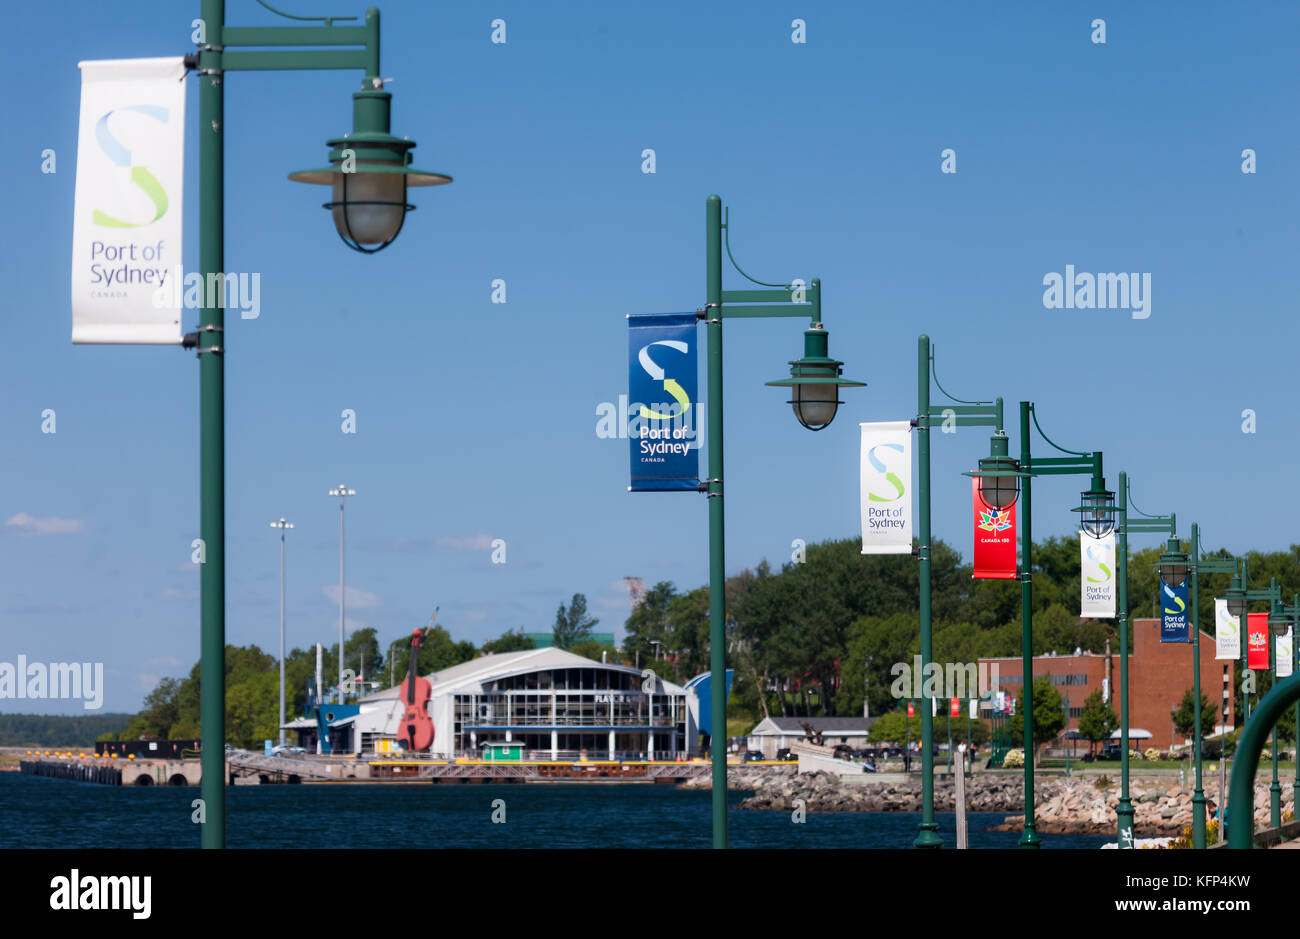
1159,672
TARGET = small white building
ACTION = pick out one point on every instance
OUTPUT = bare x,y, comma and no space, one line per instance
777,733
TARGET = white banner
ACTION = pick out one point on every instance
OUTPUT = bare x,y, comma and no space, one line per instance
1283,655
974,711
1227,632
1097,575
126,223
886,472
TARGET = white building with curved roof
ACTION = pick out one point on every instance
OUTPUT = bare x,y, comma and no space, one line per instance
557,703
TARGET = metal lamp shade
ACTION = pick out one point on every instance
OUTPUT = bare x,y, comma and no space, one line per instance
1097,509
1279,624
1000,490
1236,602
369,174
1173,566
815,382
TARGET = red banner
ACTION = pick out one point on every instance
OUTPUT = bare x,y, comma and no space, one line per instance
911,712
1257,641
955,708
995,538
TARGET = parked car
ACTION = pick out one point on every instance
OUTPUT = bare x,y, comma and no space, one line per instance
842,752
784,755
285,750
754,756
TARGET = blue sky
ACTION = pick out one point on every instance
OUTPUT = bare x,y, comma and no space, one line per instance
476,421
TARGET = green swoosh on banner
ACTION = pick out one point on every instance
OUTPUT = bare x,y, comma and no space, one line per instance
678,392
152,188
1105,570
895,482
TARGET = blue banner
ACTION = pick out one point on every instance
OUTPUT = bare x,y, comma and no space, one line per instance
1175,624
662,385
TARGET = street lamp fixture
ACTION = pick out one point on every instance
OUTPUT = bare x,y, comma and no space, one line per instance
1236,597
370,173
815,381
1279,622
1173,565
368,212
1097,509
999,475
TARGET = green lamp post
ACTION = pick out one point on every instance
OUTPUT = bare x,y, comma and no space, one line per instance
370,173
1198,565
1294,612
814,382
1236,602
1278,625
955,413
1239,597
999,477
1143,523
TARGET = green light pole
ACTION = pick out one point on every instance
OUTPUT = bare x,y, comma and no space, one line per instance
369,172
1144,523
1197,566
999,476
1278,624
814,384
958,413
1239,597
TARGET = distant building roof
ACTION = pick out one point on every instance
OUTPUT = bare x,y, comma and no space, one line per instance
787,726
489,667
828,725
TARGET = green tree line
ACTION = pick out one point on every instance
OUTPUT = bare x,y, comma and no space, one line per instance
58,730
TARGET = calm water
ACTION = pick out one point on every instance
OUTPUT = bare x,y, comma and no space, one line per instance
56,813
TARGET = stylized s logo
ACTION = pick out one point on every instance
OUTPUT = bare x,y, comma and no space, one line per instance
145,180
880,467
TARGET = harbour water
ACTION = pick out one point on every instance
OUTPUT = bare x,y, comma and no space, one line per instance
54,813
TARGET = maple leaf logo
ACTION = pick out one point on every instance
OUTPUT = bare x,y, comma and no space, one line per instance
995,519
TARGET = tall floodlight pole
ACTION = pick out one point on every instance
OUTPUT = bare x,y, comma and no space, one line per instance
282,525
370,174
958,413
342,492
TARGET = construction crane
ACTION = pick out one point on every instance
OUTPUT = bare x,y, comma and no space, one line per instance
635,590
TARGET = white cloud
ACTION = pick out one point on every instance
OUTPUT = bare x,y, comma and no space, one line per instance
354,598
478,542
171,593
24,524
